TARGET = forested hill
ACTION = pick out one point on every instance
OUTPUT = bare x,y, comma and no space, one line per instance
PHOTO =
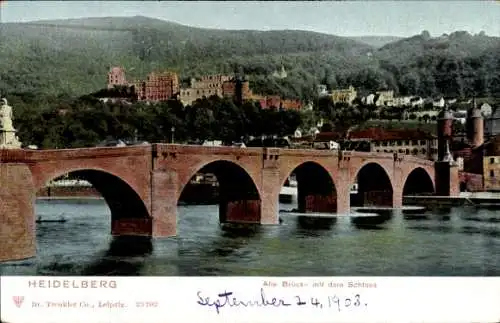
376,41
73,57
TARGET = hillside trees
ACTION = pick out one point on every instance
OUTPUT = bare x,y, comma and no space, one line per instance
87,121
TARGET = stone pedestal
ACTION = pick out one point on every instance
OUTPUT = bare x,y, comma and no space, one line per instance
9,140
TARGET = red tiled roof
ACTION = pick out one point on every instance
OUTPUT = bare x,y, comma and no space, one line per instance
378,134
327,136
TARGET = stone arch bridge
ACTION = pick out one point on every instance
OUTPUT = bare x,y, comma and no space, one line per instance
142,184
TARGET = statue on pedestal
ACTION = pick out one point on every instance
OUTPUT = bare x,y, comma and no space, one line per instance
8,138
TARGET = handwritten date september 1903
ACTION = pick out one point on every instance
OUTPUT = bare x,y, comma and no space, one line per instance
334,302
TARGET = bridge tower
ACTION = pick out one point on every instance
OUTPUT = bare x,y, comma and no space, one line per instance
446,170
444,132
475,125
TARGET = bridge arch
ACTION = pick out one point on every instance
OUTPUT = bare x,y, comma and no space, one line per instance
238,195
129,211
374,186
316,189
418,181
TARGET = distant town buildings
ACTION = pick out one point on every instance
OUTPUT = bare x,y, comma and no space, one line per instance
156,87
408,141
206,86
491,165
322,90
161,86
344,95
116,77
384,98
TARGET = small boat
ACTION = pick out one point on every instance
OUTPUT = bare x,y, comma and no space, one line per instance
60,220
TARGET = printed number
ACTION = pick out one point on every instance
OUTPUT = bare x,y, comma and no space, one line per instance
146,304
347,302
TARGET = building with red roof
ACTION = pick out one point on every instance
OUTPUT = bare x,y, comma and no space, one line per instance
413,142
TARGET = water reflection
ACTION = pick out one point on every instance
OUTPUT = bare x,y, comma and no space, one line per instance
372,220
227,245
479,219
125,256
315,223
231,239
432,228
425,245
370,227
442,210
416,217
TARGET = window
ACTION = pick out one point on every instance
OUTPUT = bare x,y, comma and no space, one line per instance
492,160
407,151
492,173
399,143
422,142
424,151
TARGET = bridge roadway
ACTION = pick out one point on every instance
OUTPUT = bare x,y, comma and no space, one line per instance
142,184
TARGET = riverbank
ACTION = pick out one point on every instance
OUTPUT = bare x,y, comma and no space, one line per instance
479,199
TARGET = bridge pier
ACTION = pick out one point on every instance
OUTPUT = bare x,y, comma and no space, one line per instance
343,197
447,180
270,193
164,195
131,227
397,198
17,216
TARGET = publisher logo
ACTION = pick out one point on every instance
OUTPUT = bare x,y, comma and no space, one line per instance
18,300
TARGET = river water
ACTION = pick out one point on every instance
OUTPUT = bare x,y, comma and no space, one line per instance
454,242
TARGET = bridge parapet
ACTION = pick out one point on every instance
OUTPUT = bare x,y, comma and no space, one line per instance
308,152
372,154
419,161
14,155
25,155
205,150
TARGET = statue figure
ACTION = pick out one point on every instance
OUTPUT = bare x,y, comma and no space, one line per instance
6,116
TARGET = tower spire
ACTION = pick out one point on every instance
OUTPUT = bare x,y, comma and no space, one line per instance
448,157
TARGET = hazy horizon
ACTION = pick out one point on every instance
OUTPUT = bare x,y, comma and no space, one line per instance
345,18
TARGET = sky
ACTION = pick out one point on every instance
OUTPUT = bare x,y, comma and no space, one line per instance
344,18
